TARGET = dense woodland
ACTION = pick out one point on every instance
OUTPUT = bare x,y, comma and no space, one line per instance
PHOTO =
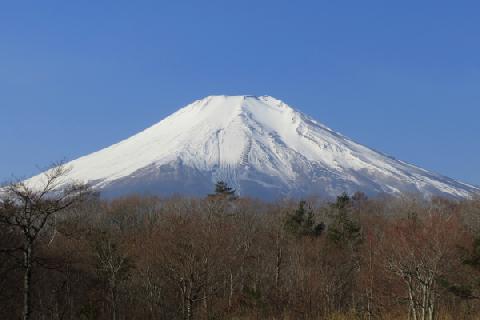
73,255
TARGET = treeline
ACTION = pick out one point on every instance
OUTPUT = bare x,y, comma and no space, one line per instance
225,257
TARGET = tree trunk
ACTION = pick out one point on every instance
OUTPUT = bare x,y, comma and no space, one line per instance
369,308
411,298
424,301
27,279
278,267
187,300
431,302
205,304
114,303
230,293
188,310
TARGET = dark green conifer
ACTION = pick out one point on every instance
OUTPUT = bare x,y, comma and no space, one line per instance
223,191
302,223
343,230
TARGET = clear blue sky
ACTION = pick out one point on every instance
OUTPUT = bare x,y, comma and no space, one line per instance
402,77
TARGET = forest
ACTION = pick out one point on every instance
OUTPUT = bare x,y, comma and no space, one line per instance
75,255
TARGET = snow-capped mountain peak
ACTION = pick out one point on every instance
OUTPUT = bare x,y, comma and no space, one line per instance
260,146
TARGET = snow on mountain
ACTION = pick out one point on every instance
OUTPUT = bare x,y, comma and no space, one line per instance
260,146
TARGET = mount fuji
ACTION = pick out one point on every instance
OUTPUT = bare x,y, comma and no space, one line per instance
258,145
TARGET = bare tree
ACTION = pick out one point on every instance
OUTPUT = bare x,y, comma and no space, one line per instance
31,210
114,266
420,251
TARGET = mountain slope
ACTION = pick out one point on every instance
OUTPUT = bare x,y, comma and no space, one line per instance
260,146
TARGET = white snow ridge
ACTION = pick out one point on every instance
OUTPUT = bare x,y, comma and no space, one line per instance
260,146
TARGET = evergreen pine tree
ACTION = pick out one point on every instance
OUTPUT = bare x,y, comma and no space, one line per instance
343,230
221,187
301,222
222,190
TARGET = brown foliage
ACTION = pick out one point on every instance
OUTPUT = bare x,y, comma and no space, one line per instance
181,258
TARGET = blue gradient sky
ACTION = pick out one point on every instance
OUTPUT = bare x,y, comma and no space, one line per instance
402,77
